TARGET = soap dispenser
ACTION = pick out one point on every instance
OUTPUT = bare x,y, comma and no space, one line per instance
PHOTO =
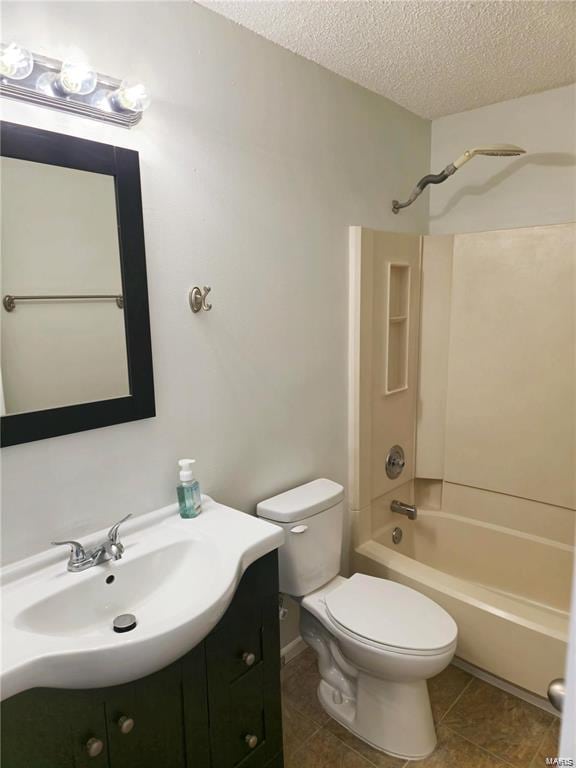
189,499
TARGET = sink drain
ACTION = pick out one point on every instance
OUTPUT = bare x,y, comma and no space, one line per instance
124,623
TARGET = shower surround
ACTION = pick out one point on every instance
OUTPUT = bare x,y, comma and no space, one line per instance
488,423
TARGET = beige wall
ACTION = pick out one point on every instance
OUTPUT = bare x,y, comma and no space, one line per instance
510,381
60,236
433,368
499,193
511,402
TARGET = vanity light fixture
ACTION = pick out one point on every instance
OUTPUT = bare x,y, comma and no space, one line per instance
70,86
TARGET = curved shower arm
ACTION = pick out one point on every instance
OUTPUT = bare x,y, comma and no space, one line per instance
431,178
491,150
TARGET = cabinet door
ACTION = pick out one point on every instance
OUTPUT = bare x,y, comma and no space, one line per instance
195,701
244,699
44,728
237,723
144,722
35,731
88,726
272,693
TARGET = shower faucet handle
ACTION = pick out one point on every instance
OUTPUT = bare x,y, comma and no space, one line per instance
395,462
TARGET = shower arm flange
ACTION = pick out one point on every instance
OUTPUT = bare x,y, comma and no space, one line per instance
431,178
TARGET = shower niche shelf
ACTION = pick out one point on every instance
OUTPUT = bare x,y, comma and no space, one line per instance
397,328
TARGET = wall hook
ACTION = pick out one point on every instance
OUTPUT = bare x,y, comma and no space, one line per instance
198,299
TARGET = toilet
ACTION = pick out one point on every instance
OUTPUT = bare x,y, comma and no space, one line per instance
377,641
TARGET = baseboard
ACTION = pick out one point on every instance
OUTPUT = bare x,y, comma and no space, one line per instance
292,650
504,685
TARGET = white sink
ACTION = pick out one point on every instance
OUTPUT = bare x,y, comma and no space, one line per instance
176,576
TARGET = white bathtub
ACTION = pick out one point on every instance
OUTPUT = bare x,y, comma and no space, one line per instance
508,591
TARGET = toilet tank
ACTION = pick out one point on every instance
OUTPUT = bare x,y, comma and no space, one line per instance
311,516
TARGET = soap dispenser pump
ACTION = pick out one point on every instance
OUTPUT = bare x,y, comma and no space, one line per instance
189,499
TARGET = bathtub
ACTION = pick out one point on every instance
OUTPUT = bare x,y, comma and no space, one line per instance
512,622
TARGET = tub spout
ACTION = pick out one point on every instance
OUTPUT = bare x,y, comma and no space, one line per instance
404,509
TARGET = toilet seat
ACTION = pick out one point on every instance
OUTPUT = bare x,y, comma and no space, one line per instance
385,614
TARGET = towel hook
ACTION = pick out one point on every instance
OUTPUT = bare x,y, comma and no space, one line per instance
198,299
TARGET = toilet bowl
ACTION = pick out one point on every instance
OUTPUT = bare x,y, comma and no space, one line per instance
377,641
375,686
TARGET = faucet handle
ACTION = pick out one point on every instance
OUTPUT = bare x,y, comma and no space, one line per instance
113,532
77,551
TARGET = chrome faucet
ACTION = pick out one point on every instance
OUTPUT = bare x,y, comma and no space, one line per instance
404,509
110,549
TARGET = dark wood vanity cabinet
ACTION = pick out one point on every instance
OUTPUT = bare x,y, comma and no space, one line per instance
217,707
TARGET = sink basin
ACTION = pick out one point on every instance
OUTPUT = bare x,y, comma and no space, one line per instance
176,576
141,586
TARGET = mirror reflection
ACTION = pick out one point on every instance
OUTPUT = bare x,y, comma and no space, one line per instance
62,319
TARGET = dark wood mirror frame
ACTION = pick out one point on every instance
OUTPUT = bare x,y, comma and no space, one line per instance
25,143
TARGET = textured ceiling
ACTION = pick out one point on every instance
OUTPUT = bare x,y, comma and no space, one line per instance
432,57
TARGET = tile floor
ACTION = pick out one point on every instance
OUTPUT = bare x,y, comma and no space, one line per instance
479,726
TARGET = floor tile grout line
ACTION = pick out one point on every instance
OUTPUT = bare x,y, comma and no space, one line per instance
469,740
541,742
298,711
325,728
351,748
306,740
319,727
456,700
357,752
483,749
316,730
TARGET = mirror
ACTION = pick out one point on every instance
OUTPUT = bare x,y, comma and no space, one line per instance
60,240
75,337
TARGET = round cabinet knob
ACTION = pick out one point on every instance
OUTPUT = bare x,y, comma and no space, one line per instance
125,724
94,747
251,740
249,659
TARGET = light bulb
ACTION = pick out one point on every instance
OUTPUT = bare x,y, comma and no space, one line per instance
15,63
47,83
77,79
131,97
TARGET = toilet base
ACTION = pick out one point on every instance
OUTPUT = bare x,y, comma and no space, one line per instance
392,717
388,707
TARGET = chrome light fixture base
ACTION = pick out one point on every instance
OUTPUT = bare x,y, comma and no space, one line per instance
95,106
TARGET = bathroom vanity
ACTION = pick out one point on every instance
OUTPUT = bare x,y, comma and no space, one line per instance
193,683
216,707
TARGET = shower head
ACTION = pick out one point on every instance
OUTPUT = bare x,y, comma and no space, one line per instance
490,150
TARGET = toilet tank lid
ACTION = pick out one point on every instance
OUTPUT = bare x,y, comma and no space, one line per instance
302,502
